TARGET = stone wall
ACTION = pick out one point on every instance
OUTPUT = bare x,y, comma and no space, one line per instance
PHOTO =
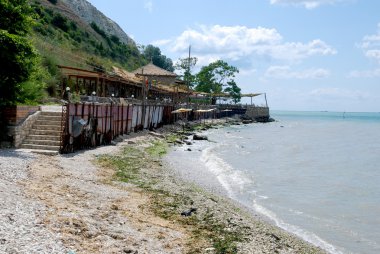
257,113
15,115
21,131
19,121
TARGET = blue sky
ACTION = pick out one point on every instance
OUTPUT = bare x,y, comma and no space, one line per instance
305,54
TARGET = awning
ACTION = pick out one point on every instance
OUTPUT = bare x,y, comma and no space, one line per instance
204,110
181,110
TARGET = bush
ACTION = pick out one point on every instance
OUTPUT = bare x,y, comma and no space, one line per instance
15,68
60,22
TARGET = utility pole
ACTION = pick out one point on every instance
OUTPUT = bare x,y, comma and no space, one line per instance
188,76
143,98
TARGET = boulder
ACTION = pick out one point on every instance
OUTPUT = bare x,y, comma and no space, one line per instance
187,213
247,121
199,137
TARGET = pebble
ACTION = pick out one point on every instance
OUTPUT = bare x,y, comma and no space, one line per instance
20,218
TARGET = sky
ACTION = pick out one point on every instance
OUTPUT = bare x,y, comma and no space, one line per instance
307,55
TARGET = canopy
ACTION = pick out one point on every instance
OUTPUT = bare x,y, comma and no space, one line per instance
181,110
251,94
204,110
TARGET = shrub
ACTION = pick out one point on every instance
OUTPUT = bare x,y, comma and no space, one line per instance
60,22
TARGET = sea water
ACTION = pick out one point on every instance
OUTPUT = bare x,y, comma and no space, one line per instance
315,174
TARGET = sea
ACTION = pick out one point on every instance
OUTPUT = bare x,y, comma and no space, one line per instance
314,174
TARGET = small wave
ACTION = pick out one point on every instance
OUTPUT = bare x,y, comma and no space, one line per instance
295,211
262,197
231,179
307,236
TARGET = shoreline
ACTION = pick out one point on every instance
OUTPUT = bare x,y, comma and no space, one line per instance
124,198
210,186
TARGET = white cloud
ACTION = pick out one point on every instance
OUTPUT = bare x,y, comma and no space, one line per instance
242,43
149,6
365,74
338,93
285,72
308,4
371,45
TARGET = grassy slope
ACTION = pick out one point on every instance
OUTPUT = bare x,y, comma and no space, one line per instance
62,38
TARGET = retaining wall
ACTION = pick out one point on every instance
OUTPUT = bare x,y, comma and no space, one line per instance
16,123
257,112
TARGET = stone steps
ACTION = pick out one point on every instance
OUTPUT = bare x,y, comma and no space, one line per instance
41,142
45,135
49,118
45,132
40,147
48,122
47,127
51,113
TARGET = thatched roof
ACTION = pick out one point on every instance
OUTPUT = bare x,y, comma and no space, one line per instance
152,70
129,76
251,94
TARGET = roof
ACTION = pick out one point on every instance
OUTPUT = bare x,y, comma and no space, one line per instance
126,74
152,70
72,71
251,94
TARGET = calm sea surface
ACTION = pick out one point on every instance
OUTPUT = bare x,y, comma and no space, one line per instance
316,174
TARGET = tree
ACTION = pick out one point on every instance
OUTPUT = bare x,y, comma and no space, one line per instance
18,57
218,77
184,65
14,16
152,53
234,91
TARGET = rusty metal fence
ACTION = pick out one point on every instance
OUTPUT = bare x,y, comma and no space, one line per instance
89,125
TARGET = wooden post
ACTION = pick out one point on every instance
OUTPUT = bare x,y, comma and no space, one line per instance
127,120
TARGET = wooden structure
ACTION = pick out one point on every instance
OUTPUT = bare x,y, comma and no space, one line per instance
162,84
85,82
154,84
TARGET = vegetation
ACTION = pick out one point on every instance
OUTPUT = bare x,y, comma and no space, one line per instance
79,45
63,41
21,81
184,65
152,53
234,91
206,227
218,77
66,37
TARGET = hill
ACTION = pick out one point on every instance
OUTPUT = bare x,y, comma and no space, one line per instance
88,13
74,33
63,37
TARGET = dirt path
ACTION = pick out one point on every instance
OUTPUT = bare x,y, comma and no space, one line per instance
92,214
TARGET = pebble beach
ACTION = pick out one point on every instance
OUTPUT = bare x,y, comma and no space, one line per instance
72,204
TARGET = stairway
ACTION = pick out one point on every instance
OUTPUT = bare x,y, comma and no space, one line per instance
45,135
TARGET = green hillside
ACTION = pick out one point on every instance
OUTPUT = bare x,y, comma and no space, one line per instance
62,38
